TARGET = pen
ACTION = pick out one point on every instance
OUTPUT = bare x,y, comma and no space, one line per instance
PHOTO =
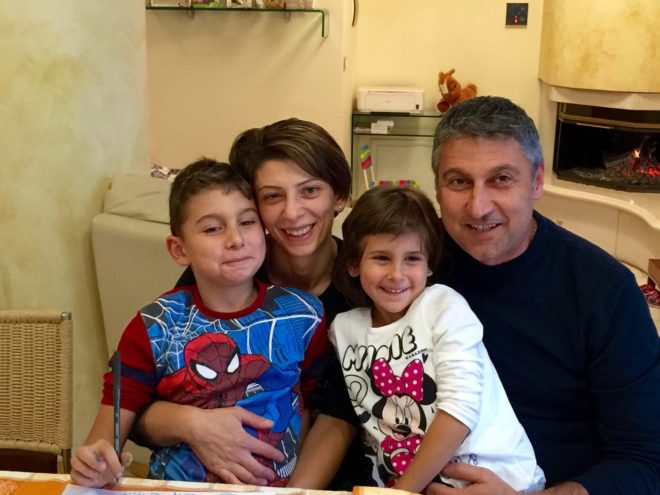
116,393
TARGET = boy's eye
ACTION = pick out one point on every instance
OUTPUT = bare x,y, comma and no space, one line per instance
247,223
212,230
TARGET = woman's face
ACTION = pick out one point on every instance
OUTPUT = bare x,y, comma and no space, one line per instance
297,208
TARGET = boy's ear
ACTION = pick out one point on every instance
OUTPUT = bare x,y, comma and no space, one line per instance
177,250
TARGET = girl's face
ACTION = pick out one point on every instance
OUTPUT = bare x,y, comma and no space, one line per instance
392,271
296,208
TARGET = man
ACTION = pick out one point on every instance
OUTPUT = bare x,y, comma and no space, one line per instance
564,323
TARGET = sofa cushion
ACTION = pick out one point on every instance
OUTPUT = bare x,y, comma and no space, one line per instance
138,196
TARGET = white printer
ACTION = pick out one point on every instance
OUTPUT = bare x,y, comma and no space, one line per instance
385,99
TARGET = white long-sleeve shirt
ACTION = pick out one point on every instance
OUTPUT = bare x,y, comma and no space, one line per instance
433,358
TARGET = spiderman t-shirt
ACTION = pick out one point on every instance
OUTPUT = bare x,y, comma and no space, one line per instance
178,350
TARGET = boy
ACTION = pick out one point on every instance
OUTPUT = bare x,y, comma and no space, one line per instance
227,340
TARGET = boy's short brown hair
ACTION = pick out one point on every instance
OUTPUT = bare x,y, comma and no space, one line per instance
199,176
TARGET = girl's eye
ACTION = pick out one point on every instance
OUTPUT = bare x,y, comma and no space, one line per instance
414,258
379,257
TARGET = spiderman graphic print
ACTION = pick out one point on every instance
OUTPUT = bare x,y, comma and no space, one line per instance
251,359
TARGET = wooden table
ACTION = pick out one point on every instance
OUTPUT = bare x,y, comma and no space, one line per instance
16,483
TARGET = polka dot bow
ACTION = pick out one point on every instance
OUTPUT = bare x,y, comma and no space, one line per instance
409,383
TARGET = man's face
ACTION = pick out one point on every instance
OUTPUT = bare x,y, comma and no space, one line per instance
486,195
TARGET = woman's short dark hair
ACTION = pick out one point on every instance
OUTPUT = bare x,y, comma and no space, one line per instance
200,176
385,210
307,144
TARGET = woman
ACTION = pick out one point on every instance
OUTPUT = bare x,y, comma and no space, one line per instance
301,181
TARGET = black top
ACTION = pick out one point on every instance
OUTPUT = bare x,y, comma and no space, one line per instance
573,342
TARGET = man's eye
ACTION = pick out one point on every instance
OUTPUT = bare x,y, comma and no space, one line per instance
503,179
457,182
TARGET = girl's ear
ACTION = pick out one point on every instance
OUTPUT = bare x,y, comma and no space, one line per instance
177,249
354,269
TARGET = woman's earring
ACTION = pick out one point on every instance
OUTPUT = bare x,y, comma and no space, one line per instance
430,272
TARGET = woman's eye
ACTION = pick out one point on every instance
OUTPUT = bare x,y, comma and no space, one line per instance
311,190
270,197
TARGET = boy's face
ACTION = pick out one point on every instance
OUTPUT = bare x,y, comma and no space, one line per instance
221,239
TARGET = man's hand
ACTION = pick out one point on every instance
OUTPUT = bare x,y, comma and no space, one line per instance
97,465
218,439
482,482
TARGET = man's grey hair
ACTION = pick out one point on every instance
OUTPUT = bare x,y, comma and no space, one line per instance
488,117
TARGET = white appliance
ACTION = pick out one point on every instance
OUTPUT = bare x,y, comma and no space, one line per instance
397,100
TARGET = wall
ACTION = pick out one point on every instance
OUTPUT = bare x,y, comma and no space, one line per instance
408,43
601,45
72,103
219,73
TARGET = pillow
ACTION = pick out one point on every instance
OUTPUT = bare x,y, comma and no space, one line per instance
139,196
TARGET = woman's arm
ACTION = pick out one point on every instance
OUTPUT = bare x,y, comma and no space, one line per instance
440,443
216,436
322,452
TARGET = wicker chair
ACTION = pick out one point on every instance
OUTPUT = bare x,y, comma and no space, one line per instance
35,390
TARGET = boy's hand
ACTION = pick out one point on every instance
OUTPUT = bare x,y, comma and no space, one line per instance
97,465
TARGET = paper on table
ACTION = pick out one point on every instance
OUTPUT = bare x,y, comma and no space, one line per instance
81,490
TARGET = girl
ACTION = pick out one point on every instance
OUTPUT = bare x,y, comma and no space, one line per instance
419,378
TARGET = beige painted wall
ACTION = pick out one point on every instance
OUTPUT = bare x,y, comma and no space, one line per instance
602,45
408,43
219,73
72,99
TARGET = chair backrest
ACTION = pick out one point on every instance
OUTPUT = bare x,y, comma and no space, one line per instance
36,382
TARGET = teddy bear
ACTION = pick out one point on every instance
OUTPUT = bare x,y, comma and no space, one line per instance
452,92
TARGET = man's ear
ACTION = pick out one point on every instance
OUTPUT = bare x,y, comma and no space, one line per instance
539,179
176,248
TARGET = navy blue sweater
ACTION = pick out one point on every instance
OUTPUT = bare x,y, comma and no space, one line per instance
575,347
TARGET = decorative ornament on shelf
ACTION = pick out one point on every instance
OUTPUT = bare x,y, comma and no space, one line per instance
452,92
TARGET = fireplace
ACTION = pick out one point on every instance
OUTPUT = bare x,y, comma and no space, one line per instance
608,147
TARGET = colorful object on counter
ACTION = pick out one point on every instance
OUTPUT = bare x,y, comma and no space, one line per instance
367,166
400,182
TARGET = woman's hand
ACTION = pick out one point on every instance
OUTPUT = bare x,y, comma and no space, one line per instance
218,439
97,465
